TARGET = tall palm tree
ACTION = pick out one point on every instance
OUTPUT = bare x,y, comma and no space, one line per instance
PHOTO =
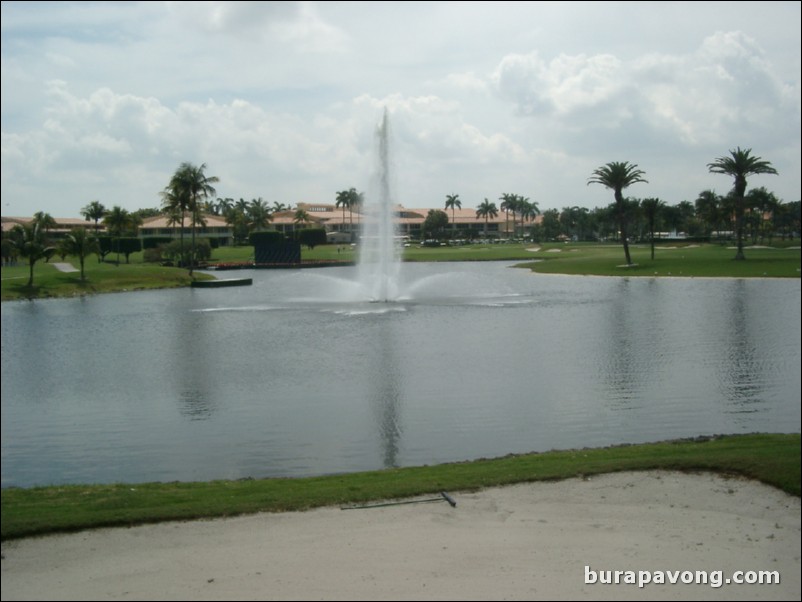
355,203
224,206
192,187
259,215
453,203
80,244
175,206
117,221
94,211
616,176
486,210
652,207
529,209
301,218
31,242
740,164
344,201
508,206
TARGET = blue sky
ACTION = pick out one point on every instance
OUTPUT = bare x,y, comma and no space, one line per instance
103,101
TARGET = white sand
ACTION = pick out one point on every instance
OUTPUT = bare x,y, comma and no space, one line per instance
523,542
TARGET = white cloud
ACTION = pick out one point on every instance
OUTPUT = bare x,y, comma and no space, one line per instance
281,99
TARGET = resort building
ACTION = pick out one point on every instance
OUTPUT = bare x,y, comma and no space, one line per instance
62,227
341,226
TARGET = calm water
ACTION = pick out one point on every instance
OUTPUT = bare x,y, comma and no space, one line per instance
289,378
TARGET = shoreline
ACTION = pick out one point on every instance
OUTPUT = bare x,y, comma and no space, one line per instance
525,541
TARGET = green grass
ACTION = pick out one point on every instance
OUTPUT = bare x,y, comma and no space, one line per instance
771,458
711,261
100,278
552,258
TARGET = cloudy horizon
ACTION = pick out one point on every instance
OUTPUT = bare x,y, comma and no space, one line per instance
103,100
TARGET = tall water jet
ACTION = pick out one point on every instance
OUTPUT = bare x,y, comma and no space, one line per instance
378,255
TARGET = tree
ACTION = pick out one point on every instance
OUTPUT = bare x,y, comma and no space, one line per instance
739,165
31,243
344,201
616,176
94,211
486,209
80,244
301,218
45,221
709,209
188,189
259,215
508,202
528,209
550,226
175,206
435,222
117,221
223,206
453,203
762,205
652,208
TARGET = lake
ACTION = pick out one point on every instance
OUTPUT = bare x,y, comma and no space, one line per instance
289,377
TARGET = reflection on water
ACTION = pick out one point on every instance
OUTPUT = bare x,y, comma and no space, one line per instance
385,392
288,378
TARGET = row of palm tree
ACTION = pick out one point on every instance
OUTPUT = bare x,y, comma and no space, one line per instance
187,191
512,204
349,199
740,163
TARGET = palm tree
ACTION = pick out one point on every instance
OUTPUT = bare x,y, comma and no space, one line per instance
740,164
453,202
79,243
529,209
258,214
652,207
31,243
94,211
224,206
301,217
486,210
117,221
355,203
45,221
175,206
618,175
191,186
344,201
508,206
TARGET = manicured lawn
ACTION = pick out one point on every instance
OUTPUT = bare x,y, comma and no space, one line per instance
712,261
552,258
100,278
771,458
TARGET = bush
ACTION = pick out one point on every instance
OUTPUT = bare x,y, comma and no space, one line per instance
311,237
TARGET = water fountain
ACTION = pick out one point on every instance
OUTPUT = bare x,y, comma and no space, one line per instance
379,262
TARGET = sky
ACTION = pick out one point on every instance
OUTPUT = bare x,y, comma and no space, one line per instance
282,100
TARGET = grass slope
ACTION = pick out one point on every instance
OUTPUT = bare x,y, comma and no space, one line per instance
771,458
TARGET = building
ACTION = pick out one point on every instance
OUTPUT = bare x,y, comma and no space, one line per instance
341,226
63,225
214,229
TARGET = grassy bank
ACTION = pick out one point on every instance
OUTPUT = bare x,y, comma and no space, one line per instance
100,278
771,458
709,261
553,258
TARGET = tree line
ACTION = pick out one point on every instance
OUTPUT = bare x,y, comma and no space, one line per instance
188,196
